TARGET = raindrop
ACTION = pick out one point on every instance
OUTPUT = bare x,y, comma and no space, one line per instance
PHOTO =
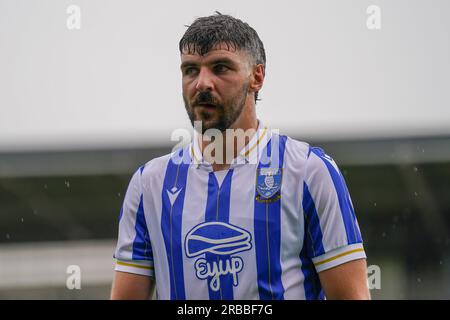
419,280
45,187
416,169
440,262
21,220
67,184
118,194
374,204
7,236
415,193
383,234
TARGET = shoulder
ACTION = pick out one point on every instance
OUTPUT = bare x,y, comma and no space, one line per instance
296,149
313,160
303,150
156,167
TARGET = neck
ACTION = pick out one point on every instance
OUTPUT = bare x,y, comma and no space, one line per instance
222,149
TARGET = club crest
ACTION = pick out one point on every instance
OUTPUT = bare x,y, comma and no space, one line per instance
268,181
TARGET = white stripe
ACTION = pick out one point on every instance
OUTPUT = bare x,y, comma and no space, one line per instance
193,214
152,183
127,231
292,219
241,214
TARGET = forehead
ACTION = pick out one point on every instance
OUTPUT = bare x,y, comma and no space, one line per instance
221,50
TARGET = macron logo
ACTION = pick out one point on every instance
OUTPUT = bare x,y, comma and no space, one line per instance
173,194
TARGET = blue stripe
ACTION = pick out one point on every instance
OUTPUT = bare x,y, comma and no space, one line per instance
211,202
311,283
347,213
176,176
313,233
142,249
312,247
349,202
120,213
218,209
267,225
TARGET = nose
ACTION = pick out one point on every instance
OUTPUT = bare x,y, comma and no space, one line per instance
204,80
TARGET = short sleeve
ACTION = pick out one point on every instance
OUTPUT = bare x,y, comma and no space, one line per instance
133,252
332,234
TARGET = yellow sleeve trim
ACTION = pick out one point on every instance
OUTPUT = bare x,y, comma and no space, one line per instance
338,256
134,265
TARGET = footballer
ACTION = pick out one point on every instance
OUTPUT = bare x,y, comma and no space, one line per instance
259,215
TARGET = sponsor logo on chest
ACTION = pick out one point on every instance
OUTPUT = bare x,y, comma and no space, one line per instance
217,243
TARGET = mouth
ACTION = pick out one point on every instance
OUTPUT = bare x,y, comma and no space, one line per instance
206,106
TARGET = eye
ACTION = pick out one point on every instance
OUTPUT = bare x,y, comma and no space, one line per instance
220,68
190,71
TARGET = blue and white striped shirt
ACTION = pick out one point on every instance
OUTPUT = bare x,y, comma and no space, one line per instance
259,230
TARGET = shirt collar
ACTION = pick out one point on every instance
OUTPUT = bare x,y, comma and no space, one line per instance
249,154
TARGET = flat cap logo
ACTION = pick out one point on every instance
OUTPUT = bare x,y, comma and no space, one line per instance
216,237
222,240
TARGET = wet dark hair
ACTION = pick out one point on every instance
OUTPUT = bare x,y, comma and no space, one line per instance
206,32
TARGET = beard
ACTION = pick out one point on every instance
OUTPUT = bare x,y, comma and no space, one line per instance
221,115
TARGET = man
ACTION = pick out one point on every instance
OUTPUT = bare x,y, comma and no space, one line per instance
273,220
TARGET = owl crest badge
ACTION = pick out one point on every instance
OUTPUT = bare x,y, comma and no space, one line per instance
268,182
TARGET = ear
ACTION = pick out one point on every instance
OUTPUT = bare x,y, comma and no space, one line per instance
257,79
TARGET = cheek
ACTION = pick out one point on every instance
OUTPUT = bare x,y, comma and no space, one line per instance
226,87
235,81
232,88
188,88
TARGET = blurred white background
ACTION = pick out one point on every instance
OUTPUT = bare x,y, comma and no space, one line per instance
116,80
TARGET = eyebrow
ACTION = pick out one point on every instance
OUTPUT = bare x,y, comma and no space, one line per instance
186,64
227,61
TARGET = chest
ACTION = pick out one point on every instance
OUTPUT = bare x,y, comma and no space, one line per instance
220,209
